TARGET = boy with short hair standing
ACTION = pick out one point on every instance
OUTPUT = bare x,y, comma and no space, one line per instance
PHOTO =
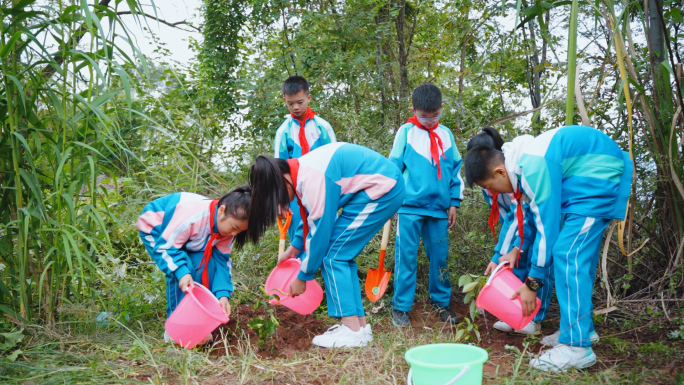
291,141
426,154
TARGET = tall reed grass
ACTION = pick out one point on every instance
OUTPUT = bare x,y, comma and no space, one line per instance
62,76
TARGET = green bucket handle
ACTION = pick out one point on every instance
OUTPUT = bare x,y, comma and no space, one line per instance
465,370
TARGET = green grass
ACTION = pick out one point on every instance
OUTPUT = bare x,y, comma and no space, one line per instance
119,354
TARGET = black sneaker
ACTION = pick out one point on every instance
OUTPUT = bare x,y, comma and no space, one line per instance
400,318
446,314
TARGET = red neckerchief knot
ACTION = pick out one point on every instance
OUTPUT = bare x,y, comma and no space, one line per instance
309,114
209,248
494,212
294,173
435,143
519,211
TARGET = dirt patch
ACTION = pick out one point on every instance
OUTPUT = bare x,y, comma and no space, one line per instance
292,336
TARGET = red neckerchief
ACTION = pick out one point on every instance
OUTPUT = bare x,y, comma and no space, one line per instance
518,197
435,141
294,173
494,212
209,248
309,114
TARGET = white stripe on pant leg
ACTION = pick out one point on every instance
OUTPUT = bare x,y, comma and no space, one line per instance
356,223
585,230
397,249
567,281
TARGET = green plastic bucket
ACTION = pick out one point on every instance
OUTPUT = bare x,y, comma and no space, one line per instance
445,364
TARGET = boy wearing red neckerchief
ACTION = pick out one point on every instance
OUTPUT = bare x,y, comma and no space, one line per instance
291,141
425,152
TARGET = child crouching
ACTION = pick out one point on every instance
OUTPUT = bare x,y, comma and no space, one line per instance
190,238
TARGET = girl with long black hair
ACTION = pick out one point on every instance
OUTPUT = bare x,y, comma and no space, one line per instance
366,186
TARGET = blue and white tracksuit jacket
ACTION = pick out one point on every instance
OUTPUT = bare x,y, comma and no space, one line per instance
509,238
175,232
369,190
577,179
424,212
287,146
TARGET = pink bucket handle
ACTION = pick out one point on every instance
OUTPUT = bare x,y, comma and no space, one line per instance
501,265
220,320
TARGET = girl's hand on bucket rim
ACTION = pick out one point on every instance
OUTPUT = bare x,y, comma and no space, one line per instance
225,305
490,267
297,287
291,252
186,283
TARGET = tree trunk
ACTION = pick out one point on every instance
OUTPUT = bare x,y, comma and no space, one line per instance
400,22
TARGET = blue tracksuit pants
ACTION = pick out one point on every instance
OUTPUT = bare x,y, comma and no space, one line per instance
575,255
436,242
361,218
173,293
544,294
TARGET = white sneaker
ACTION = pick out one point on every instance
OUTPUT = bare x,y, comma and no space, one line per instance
502,326
563,357
530,328
552,340
341,336
368,332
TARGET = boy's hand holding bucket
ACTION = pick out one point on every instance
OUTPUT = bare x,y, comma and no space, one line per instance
511,257
528,299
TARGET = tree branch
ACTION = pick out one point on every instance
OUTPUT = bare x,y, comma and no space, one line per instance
170,24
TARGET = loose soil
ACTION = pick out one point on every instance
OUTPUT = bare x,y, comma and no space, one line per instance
292,336
296,331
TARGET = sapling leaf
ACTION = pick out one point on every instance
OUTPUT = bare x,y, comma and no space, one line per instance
469,287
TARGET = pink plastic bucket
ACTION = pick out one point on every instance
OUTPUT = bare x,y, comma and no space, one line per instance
279,281
196,316
495,297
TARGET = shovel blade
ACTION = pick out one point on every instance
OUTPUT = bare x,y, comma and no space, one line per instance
376,283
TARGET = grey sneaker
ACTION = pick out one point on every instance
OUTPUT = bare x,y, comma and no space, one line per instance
446,314
400,318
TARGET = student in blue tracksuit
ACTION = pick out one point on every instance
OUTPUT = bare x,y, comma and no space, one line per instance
576,180
425,152
291,141
190,237
367,187
503,208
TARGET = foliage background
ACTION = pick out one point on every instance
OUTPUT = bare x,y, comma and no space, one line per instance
92,129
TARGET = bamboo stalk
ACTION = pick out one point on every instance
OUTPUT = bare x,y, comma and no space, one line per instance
572,63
